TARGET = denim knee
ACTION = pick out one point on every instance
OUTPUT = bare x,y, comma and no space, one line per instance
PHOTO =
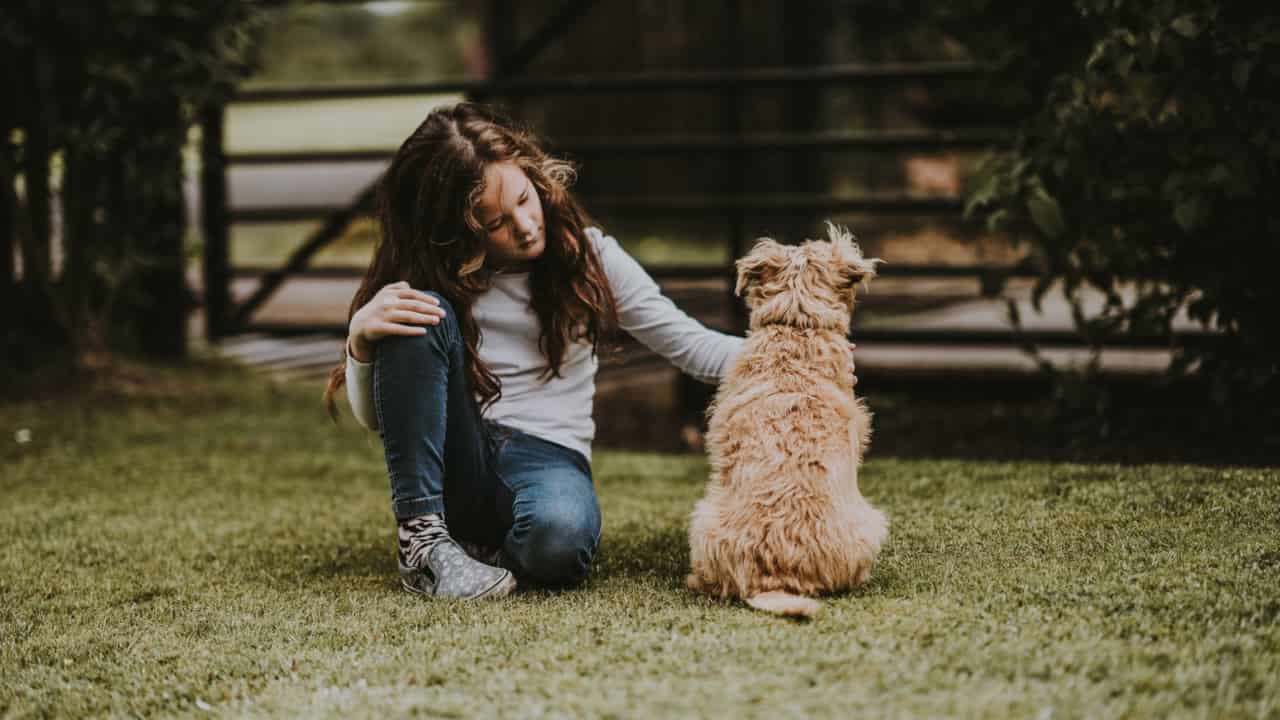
438,338
558,548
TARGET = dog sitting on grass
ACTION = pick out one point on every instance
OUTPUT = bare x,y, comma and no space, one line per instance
783,520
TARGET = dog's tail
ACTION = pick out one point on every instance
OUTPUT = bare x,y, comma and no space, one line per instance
779,602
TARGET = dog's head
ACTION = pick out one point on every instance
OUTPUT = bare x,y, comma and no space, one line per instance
810,285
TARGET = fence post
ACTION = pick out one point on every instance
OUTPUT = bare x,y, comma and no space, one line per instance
214,217
500,36
802,47
734,164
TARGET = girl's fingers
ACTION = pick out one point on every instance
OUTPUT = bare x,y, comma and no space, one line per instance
411,294
408,316
422,307
395,329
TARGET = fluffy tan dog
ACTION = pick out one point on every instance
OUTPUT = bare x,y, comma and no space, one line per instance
783,519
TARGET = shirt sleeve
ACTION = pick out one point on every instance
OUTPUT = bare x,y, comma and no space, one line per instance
650,317
360,391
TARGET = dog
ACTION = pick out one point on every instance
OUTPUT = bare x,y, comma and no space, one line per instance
783,520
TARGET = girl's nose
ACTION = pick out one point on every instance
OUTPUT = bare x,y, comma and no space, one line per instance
525,224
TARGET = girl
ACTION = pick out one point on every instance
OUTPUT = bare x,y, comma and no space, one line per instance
472,349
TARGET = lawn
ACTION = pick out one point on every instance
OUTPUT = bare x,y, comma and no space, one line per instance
207,542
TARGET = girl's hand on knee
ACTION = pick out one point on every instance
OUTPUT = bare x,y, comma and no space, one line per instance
397,309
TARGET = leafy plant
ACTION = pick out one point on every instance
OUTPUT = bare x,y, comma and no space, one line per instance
101,121
1150,139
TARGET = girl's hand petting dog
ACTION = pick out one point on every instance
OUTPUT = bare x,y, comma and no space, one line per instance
391,312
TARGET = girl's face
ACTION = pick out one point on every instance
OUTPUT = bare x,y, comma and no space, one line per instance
510,212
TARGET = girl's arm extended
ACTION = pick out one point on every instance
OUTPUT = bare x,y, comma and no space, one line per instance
651,317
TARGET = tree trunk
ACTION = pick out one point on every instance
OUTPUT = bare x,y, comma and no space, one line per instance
37,264
38,333
8,213
79,289
11,326
160,322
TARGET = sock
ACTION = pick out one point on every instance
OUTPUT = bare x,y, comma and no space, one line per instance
418,535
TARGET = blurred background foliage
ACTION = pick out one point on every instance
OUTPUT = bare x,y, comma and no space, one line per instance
101,97
370,43
1151,133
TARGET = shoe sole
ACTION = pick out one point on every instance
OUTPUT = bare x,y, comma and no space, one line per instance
500,589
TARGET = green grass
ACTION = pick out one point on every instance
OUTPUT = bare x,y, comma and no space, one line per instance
206,541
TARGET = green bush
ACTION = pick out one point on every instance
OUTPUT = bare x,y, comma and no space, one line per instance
100,99
1150,131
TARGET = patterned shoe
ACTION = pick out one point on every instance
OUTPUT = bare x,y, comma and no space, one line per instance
433,564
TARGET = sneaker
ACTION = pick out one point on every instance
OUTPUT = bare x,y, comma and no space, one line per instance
433,564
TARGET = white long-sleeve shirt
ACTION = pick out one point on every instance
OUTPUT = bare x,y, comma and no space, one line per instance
559,409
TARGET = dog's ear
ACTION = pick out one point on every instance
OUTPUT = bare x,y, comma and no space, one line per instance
760,265
851,266
856,270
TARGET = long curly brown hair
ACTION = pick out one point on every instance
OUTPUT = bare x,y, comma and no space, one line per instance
431,238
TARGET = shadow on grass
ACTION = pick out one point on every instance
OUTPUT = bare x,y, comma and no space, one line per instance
322,564
631,553
649,553
359,561
1128,420
660,556
1012,417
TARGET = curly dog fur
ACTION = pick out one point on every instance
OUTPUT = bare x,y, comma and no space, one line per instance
783,519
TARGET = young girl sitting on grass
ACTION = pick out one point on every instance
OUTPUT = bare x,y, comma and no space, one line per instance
472,349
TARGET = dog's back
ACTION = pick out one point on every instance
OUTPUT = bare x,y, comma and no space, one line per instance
783,512
783,516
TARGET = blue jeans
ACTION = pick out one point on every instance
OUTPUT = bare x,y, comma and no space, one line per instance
495,485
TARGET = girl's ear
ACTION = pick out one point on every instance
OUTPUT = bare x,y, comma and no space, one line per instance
759,266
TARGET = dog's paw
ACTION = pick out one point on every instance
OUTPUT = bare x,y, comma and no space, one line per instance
696,583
